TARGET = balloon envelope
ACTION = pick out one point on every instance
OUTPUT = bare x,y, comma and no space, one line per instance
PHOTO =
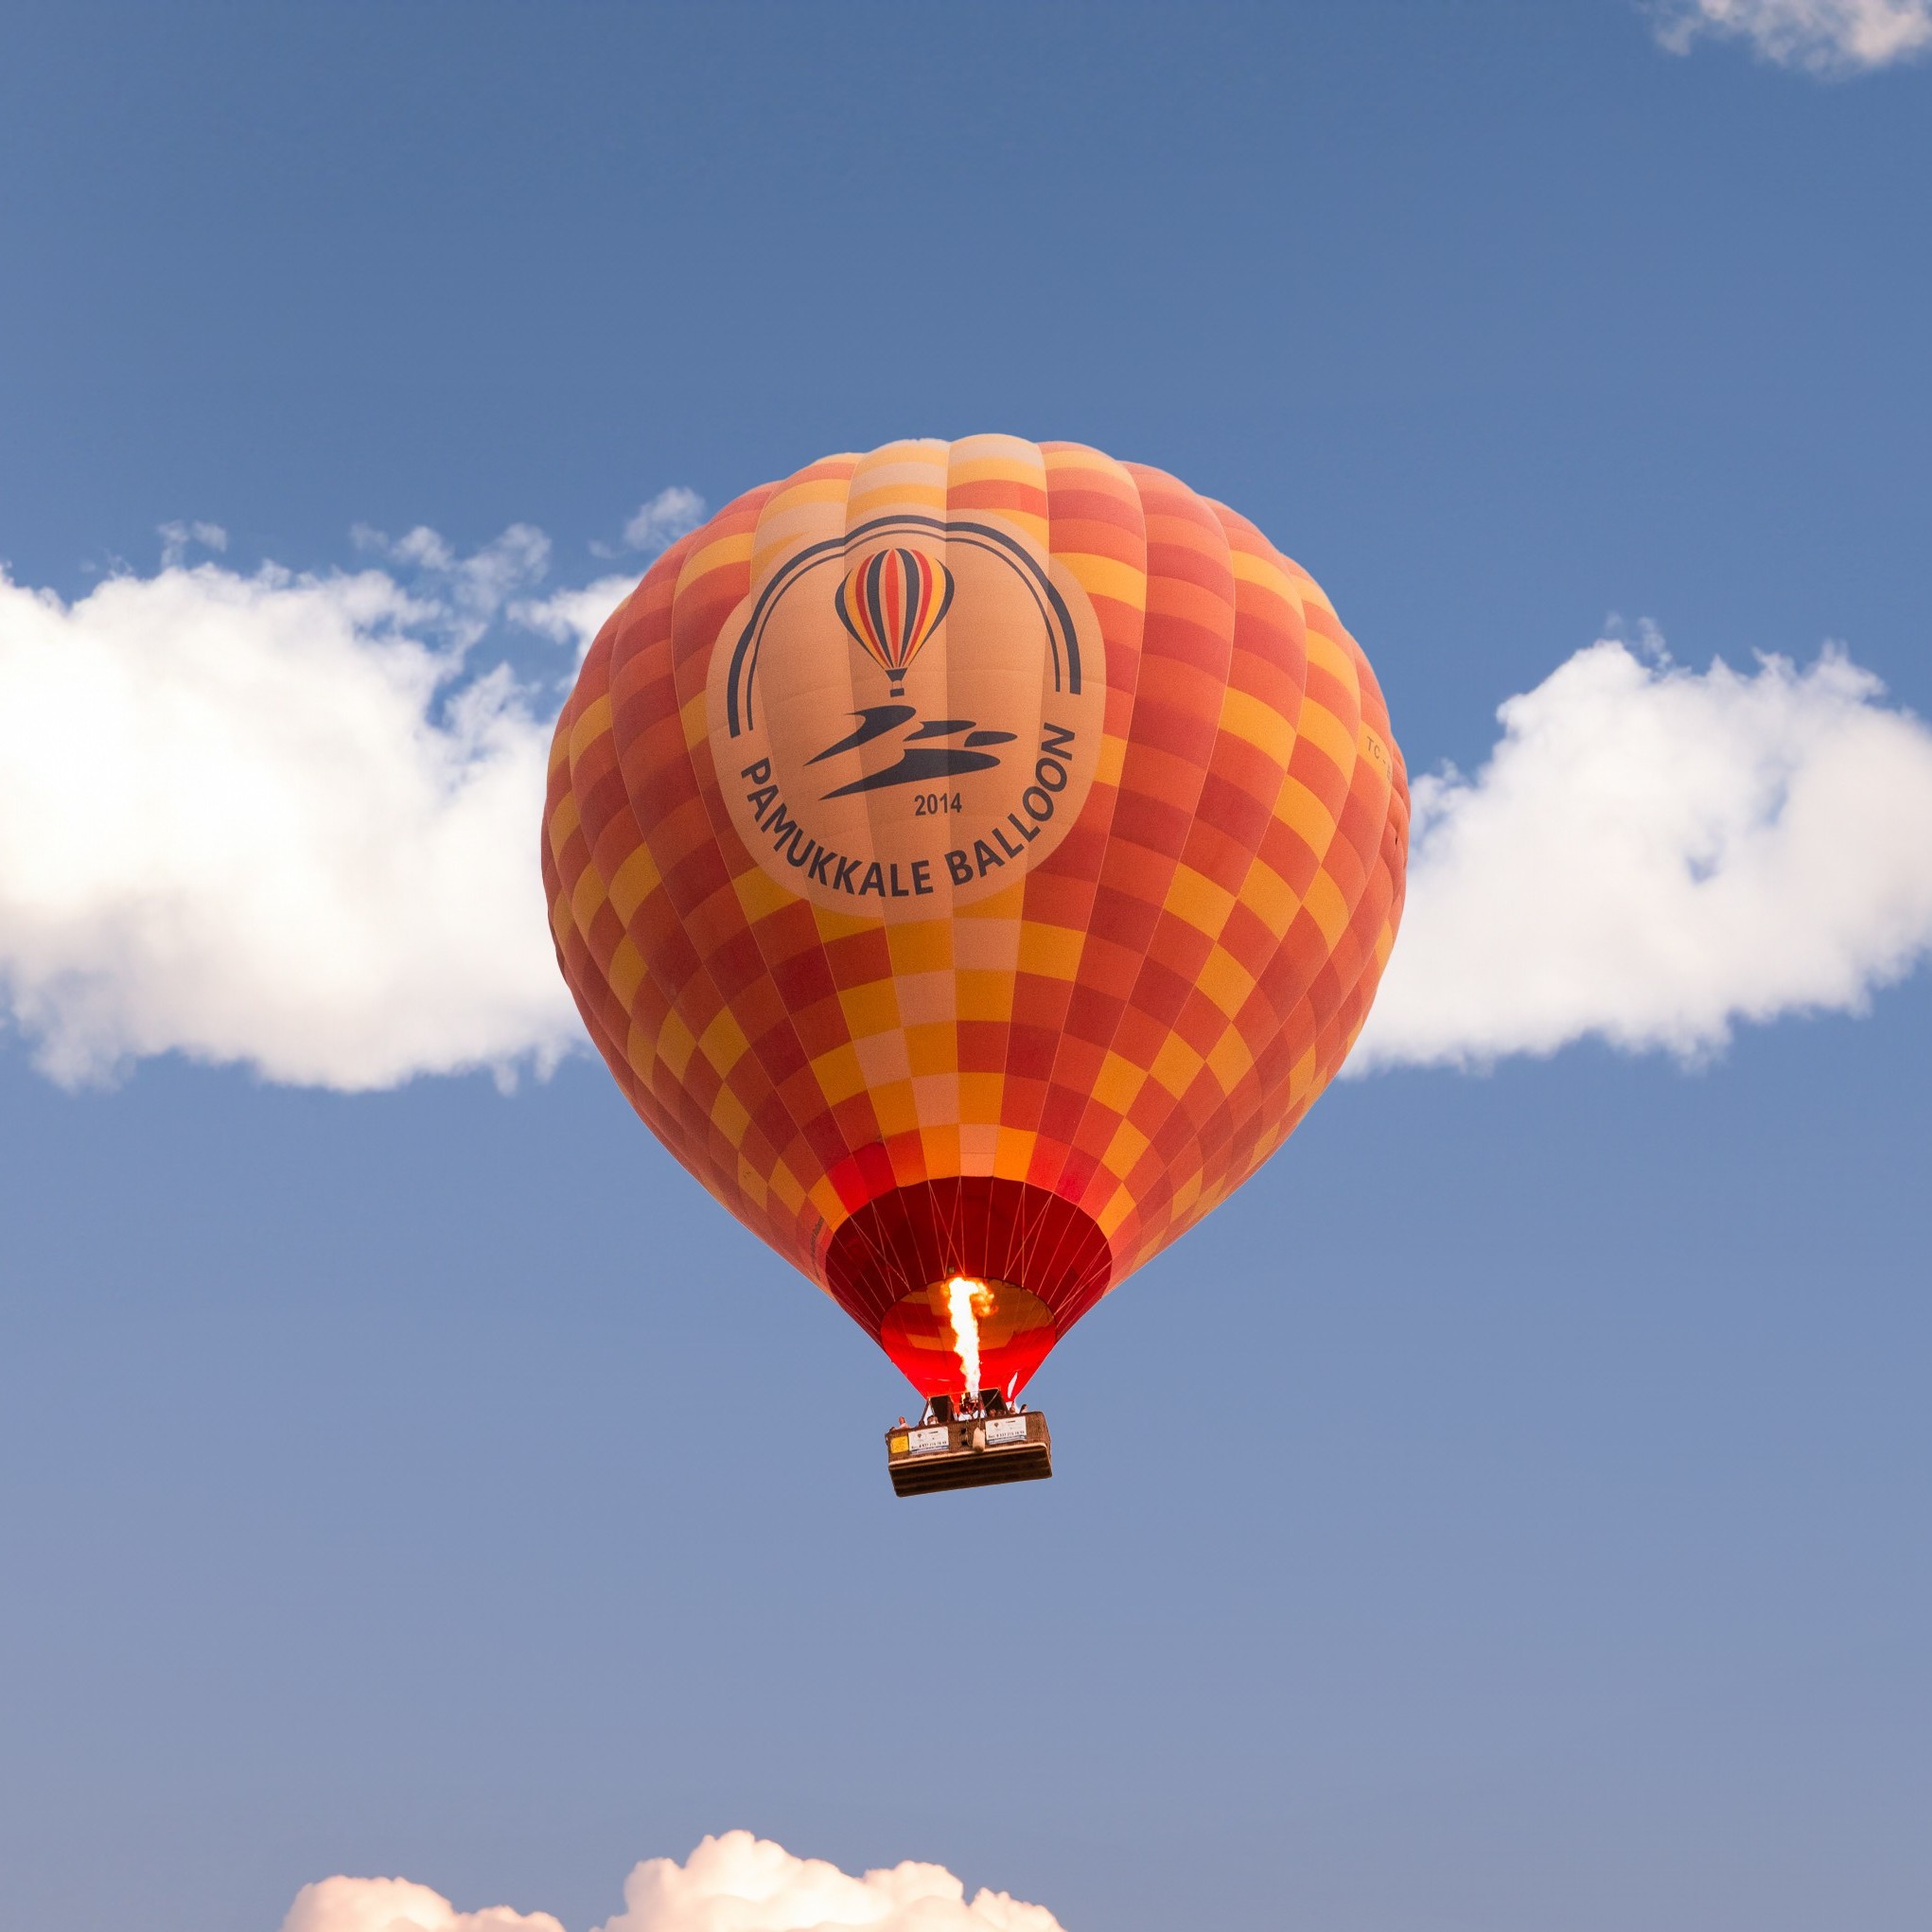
972,860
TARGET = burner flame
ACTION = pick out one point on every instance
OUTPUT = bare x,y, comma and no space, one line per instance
966,1302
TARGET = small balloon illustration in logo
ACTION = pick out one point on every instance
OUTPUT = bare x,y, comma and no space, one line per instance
891,603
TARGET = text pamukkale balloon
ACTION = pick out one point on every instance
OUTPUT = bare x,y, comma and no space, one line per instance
973,860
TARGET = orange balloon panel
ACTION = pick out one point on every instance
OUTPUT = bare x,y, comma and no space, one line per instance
973,859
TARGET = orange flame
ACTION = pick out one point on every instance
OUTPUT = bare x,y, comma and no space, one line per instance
966,1301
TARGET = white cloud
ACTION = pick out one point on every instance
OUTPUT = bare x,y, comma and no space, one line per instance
466,593
394,1905
735,1883
178,538
573,617
276,821
1831,37
1652,854
273,820
660,522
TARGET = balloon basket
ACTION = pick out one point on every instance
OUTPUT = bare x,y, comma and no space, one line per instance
969,1452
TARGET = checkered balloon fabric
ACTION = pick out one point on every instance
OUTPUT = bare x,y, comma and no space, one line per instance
972,860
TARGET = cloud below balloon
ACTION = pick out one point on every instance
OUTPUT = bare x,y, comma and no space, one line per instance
286,822
735,1881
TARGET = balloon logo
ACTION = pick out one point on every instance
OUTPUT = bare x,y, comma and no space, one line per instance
892,603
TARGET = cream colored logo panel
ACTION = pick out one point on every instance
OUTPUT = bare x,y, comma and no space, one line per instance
909,716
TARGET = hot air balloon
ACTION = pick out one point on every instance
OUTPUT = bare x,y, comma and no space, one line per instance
972,860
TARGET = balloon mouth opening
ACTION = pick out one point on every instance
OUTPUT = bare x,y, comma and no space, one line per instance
1043,1261
996,1329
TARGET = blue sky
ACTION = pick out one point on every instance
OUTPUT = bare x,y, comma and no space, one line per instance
1555,1556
